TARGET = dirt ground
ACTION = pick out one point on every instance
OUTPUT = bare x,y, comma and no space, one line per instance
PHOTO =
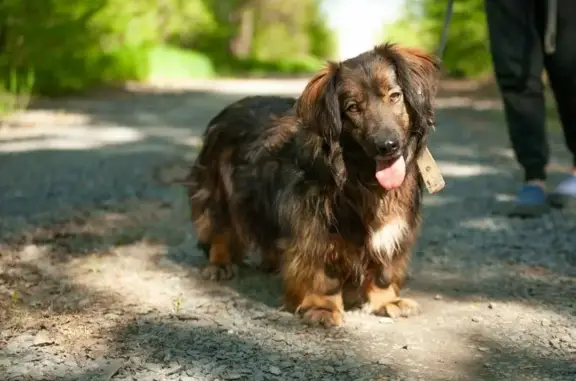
99,274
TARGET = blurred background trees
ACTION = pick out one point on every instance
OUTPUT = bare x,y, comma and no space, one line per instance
466,54
59,46
54,47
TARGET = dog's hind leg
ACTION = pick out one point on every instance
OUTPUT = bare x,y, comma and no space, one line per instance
220,244
217,238
203,225
219,241
225,255
202,218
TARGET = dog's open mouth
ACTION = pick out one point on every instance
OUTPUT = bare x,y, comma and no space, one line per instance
390,173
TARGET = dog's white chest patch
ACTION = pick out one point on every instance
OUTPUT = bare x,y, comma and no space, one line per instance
388,237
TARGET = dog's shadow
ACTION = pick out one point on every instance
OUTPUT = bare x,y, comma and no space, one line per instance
250,281
257,285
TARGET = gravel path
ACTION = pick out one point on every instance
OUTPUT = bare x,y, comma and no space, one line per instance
99,274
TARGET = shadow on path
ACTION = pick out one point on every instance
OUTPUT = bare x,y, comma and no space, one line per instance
81,184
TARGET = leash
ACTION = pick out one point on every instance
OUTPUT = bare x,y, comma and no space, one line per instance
445,27
551,27
428,167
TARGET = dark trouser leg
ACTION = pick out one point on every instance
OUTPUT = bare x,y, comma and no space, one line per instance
518,63
561,69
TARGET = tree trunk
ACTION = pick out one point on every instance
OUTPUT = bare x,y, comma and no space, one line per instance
241,43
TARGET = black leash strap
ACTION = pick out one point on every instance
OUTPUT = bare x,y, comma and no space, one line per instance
445,28
551,26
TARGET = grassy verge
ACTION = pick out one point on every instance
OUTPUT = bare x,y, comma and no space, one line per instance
16,92
169,62
175,63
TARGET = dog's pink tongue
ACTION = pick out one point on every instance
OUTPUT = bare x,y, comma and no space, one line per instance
391,175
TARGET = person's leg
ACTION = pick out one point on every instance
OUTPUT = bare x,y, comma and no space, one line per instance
518,65
561,70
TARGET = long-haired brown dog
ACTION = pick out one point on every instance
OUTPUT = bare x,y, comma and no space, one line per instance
326,186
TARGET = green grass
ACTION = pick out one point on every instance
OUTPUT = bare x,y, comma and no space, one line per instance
175,63
172,62
162,61
16,91
406,33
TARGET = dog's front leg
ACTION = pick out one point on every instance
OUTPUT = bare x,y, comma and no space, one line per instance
382,292
314,295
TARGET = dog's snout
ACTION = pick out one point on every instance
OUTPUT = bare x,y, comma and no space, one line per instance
391,145
388,146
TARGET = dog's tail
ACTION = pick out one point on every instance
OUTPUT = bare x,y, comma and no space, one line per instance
202,178
207,186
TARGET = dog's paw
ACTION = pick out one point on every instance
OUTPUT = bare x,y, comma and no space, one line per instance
322,317
219,272
401,308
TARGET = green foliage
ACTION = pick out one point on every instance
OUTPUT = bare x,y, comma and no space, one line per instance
173,62
467,52
176,18
292,29
15,92
287,37
323,42
406,32
73,45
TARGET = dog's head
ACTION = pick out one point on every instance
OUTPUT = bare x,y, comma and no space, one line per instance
382,99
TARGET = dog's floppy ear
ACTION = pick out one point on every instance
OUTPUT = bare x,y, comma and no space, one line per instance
418,74
319,109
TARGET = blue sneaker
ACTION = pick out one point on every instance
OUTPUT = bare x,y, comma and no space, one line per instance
530,202
564,196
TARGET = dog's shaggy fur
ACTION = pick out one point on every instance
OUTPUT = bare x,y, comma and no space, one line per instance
298,180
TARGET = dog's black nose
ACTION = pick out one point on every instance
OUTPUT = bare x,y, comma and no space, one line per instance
388,146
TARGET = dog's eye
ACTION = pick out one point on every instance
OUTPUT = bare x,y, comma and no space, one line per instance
395,96
352,108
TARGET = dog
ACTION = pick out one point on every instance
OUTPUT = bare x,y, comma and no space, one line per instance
326,186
